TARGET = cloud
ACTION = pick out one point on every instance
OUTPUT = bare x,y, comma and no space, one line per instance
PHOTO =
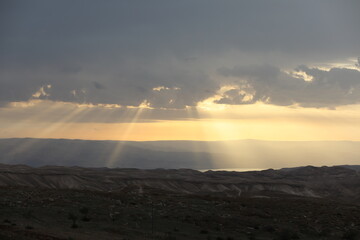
119,51
98,85
269,84
41,93
129,84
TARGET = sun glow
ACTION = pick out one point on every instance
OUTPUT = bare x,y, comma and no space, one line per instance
206,122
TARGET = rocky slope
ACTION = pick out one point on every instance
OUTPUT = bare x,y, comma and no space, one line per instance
320,182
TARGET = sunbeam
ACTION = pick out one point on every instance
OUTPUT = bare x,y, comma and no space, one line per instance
47,127
134,114
199,148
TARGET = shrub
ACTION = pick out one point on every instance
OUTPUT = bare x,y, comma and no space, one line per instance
84,211
73,218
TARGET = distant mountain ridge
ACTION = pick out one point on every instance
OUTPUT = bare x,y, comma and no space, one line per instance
253,154
41,152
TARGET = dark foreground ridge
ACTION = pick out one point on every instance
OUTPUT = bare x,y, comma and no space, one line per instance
341,183
100,203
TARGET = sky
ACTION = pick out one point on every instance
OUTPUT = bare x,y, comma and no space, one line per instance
140,70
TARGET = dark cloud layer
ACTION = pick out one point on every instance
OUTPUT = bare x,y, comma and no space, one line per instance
318,88
164,53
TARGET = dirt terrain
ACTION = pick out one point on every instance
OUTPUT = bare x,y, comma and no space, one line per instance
56,203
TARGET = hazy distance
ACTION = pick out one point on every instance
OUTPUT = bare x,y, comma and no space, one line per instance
245,154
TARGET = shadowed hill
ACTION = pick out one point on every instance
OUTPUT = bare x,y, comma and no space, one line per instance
323,182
